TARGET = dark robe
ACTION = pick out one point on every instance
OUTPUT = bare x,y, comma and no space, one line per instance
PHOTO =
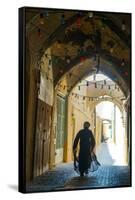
87,143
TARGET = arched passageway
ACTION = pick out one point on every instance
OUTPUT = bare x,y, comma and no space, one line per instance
73,66
83,102
112,147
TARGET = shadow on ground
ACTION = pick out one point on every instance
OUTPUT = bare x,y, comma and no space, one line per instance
13,187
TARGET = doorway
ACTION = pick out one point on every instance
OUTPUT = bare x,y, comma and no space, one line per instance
60,131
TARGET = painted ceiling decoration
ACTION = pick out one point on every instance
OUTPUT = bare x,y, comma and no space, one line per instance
82,43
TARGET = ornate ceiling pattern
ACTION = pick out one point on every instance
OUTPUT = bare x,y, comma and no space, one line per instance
82,43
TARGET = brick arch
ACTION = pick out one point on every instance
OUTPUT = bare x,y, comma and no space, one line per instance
106,19
109,68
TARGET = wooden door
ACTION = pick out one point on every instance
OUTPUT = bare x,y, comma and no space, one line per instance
42,138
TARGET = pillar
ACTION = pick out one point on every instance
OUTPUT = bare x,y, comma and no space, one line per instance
31,124
69,131
114,125
53,133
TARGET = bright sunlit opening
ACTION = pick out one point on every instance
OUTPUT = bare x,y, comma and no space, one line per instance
111,150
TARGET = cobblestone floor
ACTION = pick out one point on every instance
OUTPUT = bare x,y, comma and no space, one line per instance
63,177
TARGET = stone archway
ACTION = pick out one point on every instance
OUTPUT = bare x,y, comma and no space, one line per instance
71,119
48,40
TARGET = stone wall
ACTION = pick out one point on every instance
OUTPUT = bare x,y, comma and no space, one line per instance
39,98
44,116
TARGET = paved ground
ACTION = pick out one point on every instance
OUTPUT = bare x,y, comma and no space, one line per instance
63,177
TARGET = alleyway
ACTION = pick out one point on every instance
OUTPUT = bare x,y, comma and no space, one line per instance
78,71
64,177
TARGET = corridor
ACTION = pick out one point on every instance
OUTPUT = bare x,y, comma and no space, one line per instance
77,71
63,177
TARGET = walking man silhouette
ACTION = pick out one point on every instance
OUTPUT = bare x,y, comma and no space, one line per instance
86,142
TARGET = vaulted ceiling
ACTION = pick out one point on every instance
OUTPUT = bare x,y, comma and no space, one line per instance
82,43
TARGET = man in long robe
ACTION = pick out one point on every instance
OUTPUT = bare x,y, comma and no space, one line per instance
87,144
